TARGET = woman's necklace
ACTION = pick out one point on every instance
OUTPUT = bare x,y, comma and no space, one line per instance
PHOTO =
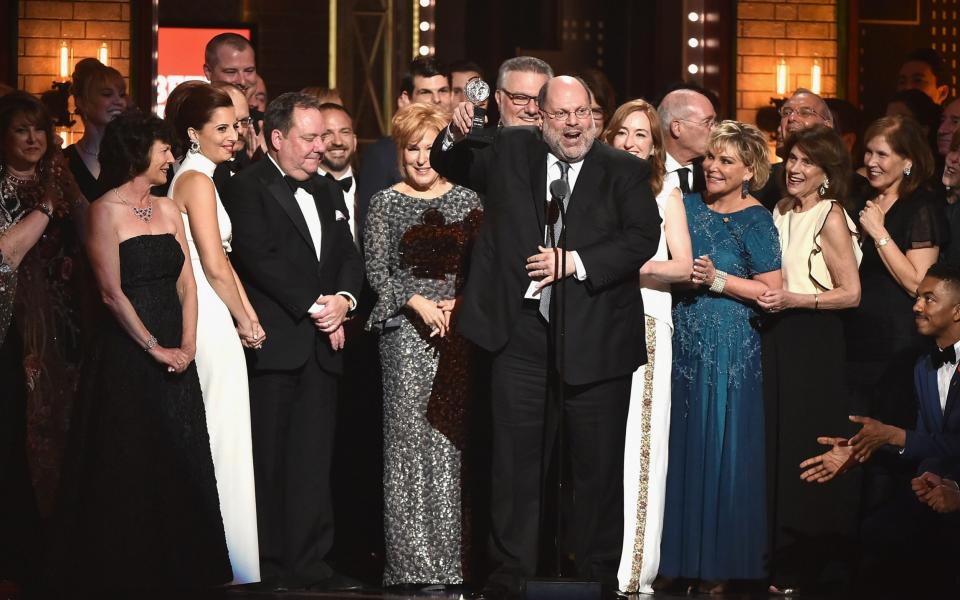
21,180
144,214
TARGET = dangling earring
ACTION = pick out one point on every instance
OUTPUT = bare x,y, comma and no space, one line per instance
906,170
745,189
822,190
194,146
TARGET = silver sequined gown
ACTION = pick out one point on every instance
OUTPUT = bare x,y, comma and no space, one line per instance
417,246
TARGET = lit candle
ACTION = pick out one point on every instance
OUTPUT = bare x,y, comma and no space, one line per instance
783,76
64,61
103,54
815,77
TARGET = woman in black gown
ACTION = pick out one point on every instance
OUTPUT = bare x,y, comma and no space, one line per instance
903,228
139,495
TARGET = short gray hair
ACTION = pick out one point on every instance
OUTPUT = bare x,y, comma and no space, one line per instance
526,64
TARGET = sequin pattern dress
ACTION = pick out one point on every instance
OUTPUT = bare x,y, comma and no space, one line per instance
715,521
419,246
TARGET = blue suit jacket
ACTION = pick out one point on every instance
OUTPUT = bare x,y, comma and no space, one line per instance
937,434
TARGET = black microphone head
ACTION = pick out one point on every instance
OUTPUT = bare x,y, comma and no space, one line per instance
559,189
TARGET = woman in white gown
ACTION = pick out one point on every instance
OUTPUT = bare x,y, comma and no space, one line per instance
205,122
635,128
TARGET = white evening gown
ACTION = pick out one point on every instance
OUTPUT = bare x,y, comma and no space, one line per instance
226,398
647,439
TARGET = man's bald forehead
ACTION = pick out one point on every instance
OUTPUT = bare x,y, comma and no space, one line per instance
820,105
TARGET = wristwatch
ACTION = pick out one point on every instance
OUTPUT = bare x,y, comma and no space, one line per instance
42,207
882,242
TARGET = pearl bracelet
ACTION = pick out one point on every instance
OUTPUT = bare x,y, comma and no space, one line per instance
719,281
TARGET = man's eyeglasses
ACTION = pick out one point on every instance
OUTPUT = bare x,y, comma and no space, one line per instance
243,123
581,113
708,123
803,112
519,99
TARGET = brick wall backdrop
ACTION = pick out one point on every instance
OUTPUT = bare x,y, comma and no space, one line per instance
83,24
797,30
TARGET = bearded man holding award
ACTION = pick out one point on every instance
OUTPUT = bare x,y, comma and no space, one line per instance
515,306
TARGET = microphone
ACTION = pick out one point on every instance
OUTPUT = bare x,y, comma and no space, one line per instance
560,189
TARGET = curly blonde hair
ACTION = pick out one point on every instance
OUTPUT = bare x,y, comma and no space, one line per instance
749,144
658,157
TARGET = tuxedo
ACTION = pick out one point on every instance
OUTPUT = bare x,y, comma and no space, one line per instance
614,227
228,168
935,441
287,255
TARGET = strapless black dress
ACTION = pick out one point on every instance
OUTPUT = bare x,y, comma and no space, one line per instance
139,499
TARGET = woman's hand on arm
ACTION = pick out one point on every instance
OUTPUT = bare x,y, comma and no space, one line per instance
679,266
430,313
909,267
750,290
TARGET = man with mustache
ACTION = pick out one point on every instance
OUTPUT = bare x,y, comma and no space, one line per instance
509,307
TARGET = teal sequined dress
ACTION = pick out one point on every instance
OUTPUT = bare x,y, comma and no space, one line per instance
715,523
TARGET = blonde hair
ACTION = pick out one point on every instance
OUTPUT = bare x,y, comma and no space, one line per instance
89,76
413,121
658,157
323,94
750,145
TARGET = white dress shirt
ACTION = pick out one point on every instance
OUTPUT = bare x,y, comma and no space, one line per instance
308,207
944,376
349,196
672,178
553,174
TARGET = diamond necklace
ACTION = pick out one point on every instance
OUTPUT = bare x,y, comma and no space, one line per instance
144,214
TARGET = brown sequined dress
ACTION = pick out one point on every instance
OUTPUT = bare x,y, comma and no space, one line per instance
420,246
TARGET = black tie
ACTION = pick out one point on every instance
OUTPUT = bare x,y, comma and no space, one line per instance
233,166
941,357
557,226
294,184
346,183
683,177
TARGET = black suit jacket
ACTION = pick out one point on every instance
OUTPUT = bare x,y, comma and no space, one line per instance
276,261
613,224
378,171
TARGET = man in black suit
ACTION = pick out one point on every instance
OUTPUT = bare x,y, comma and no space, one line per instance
613,228
302,272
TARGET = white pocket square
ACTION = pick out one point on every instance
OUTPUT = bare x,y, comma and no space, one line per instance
341,216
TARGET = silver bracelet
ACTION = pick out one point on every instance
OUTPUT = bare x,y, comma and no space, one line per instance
151,343
719,280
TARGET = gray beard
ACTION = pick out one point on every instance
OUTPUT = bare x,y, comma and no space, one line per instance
554,141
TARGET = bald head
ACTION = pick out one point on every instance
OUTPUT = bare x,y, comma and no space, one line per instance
803,110
686,117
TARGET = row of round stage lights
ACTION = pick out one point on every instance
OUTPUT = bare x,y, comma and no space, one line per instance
695,41
424,28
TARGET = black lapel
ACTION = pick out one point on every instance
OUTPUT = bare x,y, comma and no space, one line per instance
538,183
588,181
284,197
699,179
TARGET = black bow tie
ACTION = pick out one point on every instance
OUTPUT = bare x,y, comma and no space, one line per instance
233,165
294,184
941,357
346,183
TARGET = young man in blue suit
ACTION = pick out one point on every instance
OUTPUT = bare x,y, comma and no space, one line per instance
914,549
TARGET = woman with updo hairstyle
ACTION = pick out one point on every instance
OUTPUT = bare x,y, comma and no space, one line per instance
205,123
715,526
138,502
416,243
99,95
803,364
635,128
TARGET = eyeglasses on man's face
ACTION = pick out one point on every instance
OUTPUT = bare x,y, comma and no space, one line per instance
519,99
581,113
707,123
242,123
803,112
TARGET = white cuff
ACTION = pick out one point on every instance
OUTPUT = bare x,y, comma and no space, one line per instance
581,273
315,308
